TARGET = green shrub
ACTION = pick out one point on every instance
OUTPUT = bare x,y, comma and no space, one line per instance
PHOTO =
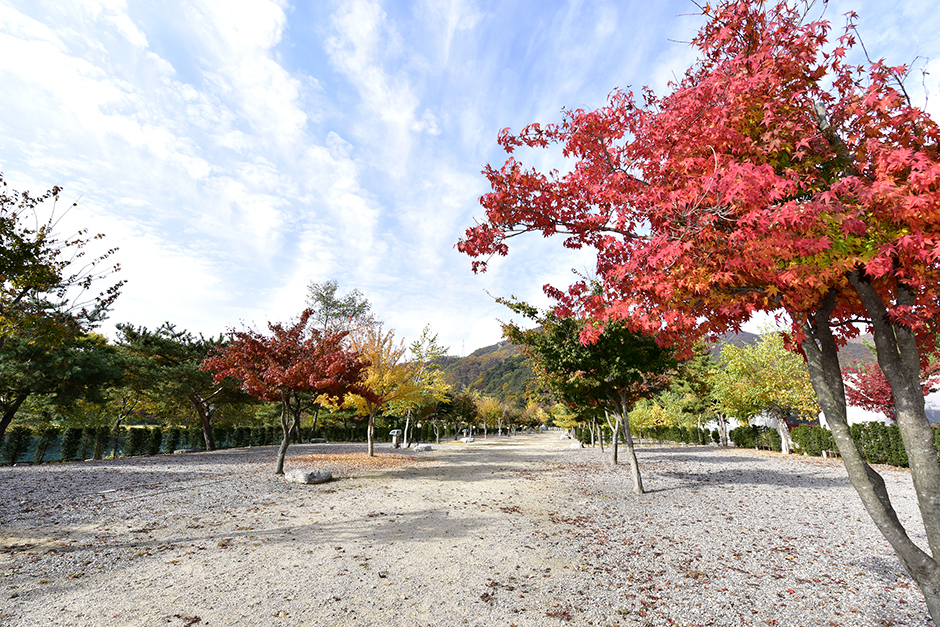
880,444
241,436
71,439
136,441
102,437
87,443
770,438
813,440
173,439
118,436
46,439
155,441
17,443
897,456
194,437
744,437
272,435
716,436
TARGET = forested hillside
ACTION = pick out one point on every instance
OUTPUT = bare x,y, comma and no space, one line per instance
500,370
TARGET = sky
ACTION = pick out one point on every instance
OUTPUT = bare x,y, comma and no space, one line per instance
237,150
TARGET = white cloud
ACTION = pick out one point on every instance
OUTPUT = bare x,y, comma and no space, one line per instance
237,39
447,17
366,47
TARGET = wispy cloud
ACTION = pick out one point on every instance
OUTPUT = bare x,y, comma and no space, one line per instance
238,149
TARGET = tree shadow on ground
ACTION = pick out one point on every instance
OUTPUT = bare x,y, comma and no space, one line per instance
778,478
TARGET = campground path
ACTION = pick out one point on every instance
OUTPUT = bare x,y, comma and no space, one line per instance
503,531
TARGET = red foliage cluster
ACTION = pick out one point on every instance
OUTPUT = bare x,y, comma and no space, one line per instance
866,387
771,173
292,359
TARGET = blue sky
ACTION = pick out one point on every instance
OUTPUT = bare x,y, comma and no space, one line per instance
236,150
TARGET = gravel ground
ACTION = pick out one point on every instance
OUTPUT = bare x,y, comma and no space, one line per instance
505,531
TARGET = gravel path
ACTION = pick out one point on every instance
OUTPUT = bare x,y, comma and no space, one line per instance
506,531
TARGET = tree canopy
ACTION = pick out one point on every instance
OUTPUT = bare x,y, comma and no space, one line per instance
293,360
779,176
613,372
45,278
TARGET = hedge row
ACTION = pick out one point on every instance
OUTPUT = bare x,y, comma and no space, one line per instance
755,437
22,443
877,442
683,435
49,444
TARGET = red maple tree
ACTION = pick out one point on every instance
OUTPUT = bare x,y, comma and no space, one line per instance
867,387
291,362
776,176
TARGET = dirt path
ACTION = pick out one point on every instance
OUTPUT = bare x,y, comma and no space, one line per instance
443,541
507,531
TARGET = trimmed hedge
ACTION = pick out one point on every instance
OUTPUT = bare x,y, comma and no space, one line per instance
813,440
755,437
17,443
46,439
155,441
877,442
71,440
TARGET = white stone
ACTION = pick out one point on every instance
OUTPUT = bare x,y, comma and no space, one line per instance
298,475
423,447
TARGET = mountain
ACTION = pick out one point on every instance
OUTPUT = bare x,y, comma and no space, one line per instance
500,370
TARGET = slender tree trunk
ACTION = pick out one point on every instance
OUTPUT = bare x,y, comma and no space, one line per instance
783,429
628,443
600,433
370,431
615,429
826,377
9,411
203,412
404,436
286,430
316,416
723,429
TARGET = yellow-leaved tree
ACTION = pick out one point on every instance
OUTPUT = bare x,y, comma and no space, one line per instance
389,376
764,378
432,388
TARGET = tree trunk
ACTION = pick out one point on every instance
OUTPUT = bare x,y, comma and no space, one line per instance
203,412
404,435
826,376
783,429
295,430
628,443
723,429
615,429
9,412
370,431
286,430
316,416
